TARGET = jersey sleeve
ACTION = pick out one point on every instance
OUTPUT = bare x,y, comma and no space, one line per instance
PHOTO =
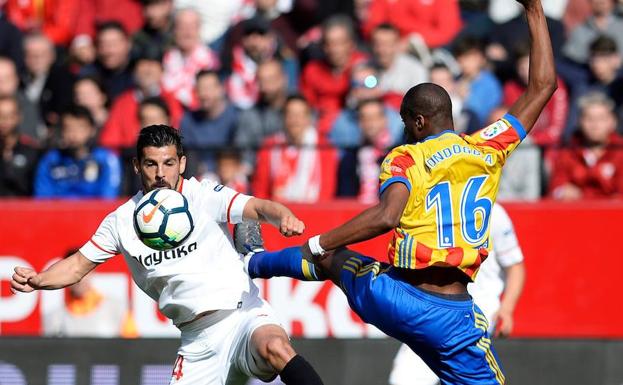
502,137
505,244
394,169
104,244
226,204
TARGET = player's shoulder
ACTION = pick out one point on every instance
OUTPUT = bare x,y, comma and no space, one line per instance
506,125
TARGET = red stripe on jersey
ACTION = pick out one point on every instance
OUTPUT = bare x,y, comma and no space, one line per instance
423,253
455,256
231,202
101,248
180,185
503,140
401,164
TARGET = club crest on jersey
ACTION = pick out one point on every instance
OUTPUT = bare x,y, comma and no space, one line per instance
494,130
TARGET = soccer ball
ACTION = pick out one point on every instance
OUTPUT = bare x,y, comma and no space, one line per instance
162,219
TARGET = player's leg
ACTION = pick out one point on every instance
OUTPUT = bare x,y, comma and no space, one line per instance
263,348
259,263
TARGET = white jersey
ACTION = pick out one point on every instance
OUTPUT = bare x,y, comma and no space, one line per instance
204,273
489,284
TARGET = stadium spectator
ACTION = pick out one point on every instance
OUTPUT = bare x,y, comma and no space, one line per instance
603,20
345,131
89,92
398,71
82,53
45,84
211,126
436,22
358,172
480,89
297,165
157,32
128,13
19,155
258,44
10,39
605,74
279,23
230,171
326,82
88,312
441,75
31,125
76,169
188,56
154,110
122,126
56,19
496,292
507,37
113,59
592,166
216,17
266,117
550,125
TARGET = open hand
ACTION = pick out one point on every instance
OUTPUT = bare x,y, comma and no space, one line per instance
20,279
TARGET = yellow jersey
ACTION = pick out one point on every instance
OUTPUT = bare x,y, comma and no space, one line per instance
453,182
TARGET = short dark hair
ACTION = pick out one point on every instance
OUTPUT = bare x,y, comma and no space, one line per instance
297,98
365,102
159,135
386,27
110,25
339,20
79,112
206,72
466,44
158,102
603,45
427,99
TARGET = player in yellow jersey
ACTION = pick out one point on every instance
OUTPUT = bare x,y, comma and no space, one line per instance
436,195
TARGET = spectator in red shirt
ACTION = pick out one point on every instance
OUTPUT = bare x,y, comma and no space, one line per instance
128,13
54,18
296,166
325,83
122,127
550,125
436,22
592,166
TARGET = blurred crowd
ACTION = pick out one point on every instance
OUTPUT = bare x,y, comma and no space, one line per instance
296,100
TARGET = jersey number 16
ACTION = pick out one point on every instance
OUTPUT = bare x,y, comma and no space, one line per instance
471,206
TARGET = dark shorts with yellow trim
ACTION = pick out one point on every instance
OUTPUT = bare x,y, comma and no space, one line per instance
449,335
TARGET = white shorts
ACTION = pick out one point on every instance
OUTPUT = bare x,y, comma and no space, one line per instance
217,350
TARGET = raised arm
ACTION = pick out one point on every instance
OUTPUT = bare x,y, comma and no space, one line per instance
542,73
63,273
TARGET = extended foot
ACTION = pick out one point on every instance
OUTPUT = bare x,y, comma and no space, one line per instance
248,237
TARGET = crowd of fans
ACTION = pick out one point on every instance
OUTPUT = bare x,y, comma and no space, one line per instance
295,100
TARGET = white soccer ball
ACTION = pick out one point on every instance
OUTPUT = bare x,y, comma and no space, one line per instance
162,219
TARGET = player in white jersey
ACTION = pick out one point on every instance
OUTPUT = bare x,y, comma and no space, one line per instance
227,331
501,273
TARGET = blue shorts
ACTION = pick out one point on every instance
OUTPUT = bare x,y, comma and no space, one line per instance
449,335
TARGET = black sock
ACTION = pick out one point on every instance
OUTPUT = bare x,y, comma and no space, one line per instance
299,372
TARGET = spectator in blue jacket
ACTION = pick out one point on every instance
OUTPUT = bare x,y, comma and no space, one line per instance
77,169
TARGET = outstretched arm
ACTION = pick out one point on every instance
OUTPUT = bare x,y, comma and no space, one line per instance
370,223
274,213
542,73
63,273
